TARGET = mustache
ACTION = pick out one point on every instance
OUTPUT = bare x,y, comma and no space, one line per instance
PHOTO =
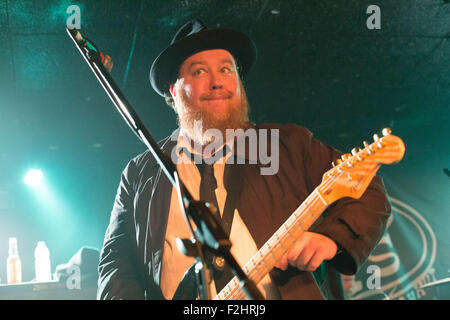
239,118
218,95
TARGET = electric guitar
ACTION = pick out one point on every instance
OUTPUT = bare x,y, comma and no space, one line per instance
349,177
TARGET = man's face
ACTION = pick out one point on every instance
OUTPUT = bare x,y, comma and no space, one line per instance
209,89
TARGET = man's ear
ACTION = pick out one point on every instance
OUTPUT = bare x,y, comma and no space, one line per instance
172,91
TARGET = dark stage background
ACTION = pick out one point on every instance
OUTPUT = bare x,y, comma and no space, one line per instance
319,66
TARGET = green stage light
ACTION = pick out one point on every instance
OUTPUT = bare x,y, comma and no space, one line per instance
33,177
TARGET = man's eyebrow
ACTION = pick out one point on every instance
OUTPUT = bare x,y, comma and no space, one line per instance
226,61
193,63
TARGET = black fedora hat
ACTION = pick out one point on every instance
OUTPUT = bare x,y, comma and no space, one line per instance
194,37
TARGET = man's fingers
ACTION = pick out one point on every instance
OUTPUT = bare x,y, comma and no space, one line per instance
295,251
314,262
308,252
282,263
292,255
303,259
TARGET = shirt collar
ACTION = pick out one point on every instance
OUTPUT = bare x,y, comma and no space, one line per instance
184,142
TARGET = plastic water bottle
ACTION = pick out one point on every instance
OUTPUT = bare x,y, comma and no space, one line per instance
42,262
13,263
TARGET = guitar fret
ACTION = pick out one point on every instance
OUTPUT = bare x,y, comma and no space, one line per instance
231,291
256,268
270,250
262,258
297,220
245,269
309,210
289,233
236,292
233,294
279,241
320,196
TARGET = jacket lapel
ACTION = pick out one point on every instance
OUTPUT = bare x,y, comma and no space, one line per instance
159,207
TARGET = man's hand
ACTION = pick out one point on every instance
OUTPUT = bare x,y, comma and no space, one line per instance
308,252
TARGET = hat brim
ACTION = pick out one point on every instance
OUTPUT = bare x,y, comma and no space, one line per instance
165,68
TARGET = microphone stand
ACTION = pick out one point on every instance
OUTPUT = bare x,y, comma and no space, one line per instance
209,235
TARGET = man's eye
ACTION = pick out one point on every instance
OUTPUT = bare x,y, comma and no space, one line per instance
199,72
226,70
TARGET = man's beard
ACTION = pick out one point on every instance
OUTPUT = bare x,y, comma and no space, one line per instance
196,122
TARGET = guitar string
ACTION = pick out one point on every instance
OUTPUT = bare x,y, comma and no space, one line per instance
236,289
235,292
295,216
231,292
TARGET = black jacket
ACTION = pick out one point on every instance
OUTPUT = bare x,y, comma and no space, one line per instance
130,262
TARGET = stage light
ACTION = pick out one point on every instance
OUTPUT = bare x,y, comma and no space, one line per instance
33,178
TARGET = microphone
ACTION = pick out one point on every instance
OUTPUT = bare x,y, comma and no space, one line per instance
105,60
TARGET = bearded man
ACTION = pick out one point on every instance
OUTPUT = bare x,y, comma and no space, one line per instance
200,75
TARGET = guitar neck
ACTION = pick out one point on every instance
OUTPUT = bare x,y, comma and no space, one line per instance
273,250
350,177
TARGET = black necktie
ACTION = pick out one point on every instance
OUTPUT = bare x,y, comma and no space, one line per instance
208,185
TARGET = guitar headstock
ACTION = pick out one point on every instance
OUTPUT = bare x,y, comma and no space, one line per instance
351,174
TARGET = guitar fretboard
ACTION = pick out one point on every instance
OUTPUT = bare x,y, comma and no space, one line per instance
281,241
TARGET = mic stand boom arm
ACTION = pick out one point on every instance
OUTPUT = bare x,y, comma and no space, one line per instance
208,235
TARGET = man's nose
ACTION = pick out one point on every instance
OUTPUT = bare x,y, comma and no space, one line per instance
216,82
216,86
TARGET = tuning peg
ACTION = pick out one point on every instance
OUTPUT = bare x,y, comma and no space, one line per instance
368,149
355,150
336,163
386,131
345,156
376,137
